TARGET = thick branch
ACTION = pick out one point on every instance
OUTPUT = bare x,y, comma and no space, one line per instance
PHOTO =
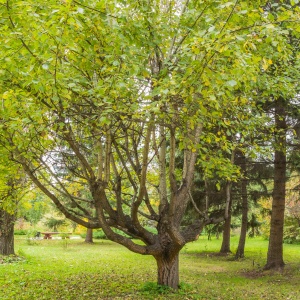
162,169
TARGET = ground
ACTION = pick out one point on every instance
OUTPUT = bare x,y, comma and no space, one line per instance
70,269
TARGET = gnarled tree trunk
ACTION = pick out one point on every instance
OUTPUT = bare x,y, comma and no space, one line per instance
6,233
168,269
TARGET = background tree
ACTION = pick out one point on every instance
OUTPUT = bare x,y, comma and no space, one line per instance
54,223
12,187
282,100
245,207
6,232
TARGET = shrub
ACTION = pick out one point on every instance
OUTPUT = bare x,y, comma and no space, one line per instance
64,236
20,232
99,234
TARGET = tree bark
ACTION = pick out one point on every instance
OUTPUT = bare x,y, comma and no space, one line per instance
168,269
6,233
240,253
275,250
89,236
225,248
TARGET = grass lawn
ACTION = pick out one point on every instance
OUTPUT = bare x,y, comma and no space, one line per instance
70,269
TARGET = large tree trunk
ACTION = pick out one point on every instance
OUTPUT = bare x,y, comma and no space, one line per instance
6,233
240,252
168,270
89,236
275,250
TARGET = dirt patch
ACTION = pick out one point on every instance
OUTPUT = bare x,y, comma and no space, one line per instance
253,274
277,275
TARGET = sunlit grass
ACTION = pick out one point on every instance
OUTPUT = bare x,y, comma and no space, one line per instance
60,269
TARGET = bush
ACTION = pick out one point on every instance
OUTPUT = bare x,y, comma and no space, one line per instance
64,236
20,232
97,234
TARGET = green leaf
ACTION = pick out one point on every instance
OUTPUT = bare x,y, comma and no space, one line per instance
45,66
231,83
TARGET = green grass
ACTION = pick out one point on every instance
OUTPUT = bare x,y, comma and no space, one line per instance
70,269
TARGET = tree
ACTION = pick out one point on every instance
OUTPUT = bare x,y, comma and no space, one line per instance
89,235
283,100
114,93
54,223
12,186
241,246
225,247
275,250
6,233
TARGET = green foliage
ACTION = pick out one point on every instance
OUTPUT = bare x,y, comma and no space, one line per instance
152,288
33,209
12,183
64,236
54,223
20,232
291,231
97,234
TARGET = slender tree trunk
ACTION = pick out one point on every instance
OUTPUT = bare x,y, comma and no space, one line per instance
240,253
275,250
168,270
225,248
89,236
6,233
